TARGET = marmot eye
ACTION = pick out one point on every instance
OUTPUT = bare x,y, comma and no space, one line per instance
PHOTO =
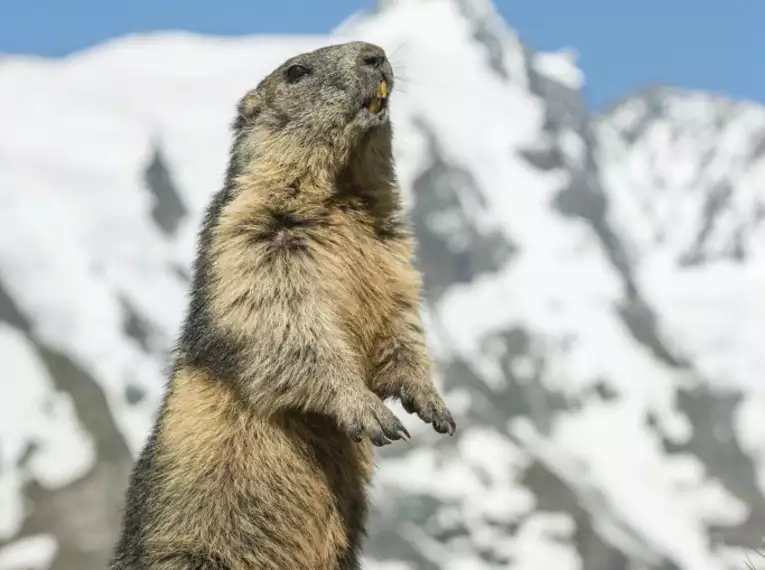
295,72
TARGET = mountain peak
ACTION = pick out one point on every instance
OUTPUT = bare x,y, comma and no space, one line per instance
455,28
685,169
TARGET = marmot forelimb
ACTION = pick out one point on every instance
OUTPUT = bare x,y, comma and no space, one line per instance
303,317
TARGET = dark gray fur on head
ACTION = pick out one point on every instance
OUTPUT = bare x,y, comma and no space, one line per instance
331,97
310,117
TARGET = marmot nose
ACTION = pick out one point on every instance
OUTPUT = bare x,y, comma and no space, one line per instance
373,56
375,61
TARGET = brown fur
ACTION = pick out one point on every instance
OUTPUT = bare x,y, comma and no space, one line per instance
304,317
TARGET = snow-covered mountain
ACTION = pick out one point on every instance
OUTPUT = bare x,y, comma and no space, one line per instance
594,290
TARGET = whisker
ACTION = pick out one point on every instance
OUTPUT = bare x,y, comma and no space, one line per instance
407,81
397,50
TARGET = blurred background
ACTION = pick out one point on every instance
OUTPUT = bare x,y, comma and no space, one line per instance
587,184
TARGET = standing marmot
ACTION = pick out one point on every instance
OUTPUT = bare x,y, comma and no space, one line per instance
303,317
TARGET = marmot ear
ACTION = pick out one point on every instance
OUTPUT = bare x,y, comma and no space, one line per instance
248,109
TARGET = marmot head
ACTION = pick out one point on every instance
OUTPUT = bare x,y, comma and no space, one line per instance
317,108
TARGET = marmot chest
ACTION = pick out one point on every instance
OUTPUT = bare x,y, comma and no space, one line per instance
372,277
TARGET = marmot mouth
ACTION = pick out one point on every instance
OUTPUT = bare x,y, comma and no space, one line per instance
379,101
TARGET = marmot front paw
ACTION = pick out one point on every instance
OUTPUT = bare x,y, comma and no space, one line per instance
429,407
378,423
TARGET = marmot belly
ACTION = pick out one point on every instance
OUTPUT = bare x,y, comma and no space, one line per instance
285,492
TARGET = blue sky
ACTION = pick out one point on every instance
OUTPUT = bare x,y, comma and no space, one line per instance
717,45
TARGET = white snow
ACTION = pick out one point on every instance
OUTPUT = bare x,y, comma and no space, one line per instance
560,66
31,553
34,413
696,149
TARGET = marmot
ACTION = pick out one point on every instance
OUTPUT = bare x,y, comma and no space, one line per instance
303,318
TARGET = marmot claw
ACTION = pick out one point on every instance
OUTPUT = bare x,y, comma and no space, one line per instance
430,408
379,424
